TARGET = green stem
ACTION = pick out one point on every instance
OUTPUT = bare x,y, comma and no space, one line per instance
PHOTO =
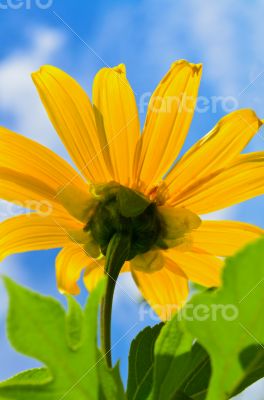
116,255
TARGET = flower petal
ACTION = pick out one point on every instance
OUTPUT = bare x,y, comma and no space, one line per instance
71,113
93,274
200,268
33,232
240,181
117,120
69,264
224,238
168,120
164,290
35,169
28,192
214,151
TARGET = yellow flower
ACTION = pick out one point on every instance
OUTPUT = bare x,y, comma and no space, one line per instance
124,184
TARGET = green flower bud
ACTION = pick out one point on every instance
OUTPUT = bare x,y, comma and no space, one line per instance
124,211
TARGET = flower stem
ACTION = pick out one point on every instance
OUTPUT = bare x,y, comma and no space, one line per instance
116,255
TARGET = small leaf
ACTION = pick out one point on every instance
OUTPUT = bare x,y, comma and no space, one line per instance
140,374
111,384
74,323
37,376
66,344
131,203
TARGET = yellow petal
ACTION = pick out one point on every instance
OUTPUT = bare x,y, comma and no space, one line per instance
93,274
168,120
71,113
240,181
200,268
214,151
164,290
33,169
33,232
69,264
28,192
224,238
117,120
28,157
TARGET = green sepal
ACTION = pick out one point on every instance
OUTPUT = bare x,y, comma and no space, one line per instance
131,203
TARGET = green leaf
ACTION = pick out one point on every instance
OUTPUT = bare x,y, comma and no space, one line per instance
181,368
74,323
140,374
131,203
111,384
180,396
231,324
198,373
39,376
236,345
66,344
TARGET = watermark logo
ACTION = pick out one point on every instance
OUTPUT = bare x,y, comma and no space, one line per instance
184,103
42,208
190,312
25,4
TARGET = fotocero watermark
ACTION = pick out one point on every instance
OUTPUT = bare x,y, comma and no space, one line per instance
186,103
190,312
42,208
25,4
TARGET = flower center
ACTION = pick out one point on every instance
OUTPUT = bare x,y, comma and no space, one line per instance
122,210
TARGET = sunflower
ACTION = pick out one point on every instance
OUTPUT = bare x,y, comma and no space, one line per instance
129,183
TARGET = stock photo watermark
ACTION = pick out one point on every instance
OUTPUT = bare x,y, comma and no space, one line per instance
25,4
190,312
42,208
185,103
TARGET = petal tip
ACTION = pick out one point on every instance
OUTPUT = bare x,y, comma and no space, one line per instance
45,69
196,68
36,74
252,115
120,69
69,291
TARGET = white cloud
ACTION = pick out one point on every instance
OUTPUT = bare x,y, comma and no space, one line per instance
19,101
226,36
18,96
10,267
226,213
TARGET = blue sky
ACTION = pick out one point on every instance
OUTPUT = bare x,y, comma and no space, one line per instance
81,37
